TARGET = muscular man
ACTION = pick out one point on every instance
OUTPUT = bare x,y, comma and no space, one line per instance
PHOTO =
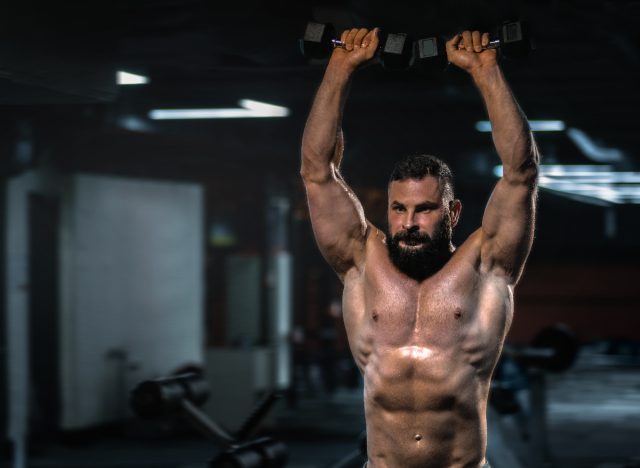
426,321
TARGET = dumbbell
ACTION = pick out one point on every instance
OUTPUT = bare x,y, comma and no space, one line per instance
513,41
180,394
319,40
161,397
430,54
264,452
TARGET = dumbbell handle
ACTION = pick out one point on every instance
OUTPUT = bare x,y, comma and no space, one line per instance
529,352
337,43
494,44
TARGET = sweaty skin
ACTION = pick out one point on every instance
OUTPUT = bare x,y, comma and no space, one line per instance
427,348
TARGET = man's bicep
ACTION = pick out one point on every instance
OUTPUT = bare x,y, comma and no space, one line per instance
508,226
338,222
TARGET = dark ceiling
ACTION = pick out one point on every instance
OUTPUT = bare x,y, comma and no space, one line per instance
202,53
58,60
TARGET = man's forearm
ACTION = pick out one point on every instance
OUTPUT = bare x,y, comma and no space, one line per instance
321,131
512,136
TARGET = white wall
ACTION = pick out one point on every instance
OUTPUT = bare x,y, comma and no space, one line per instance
132,273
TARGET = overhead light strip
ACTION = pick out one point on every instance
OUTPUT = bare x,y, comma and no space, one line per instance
596,182
535,126
248,109
591,149
126,78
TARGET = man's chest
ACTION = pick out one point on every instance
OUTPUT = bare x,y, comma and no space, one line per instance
439,308
454,303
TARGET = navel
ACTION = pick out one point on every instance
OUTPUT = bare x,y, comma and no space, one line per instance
374,315
417,437
458,313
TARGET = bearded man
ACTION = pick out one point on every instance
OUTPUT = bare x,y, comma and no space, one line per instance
426,321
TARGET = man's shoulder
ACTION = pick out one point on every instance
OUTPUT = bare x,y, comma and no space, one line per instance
470,253
470,249
375,257
376,239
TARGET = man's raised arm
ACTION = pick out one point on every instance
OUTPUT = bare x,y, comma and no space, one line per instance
509,218
337,217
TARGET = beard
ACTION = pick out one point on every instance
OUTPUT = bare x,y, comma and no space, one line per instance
426,255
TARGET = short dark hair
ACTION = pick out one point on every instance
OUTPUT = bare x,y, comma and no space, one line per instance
419,166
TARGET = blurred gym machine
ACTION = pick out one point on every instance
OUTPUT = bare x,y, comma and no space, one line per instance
554,349
184,394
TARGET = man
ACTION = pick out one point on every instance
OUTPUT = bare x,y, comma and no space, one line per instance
425,321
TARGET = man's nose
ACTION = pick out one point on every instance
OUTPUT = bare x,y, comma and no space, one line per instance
409,223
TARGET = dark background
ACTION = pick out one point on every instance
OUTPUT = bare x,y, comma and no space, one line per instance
58,60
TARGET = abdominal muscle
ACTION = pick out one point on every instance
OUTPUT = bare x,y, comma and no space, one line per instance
426,351
424,407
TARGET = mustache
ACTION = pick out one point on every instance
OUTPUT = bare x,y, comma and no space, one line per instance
412,237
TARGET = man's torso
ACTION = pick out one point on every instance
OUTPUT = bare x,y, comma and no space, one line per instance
426,351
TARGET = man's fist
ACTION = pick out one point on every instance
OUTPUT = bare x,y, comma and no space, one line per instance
468,51
359,46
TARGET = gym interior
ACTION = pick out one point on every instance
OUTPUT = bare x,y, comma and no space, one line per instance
164,303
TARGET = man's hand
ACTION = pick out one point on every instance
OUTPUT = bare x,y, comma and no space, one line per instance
360,46
467,51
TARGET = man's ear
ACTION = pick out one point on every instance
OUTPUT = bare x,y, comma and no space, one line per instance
455,208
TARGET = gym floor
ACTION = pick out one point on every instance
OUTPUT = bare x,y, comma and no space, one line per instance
593,422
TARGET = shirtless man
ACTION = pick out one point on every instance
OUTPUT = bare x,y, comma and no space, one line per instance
426,321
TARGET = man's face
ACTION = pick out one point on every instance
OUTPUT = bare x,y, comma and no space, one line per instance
421,216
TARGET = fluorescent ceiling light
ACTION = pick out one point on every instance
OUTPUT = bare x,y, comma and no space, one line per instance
134,123
248,109
588,183
589,148
535,125
592,150
576,170
126,78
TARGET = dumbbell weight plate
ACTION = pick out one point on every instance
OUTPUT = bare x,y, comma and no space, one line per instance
154,398
397,51
562,341
316,42
274,453
430,54
241,457
515,40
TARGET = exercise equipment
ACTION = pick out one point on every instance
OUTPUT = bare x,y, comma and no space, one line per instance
430,54
395,50
554,348
318,40
182,394
512,41
165,396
